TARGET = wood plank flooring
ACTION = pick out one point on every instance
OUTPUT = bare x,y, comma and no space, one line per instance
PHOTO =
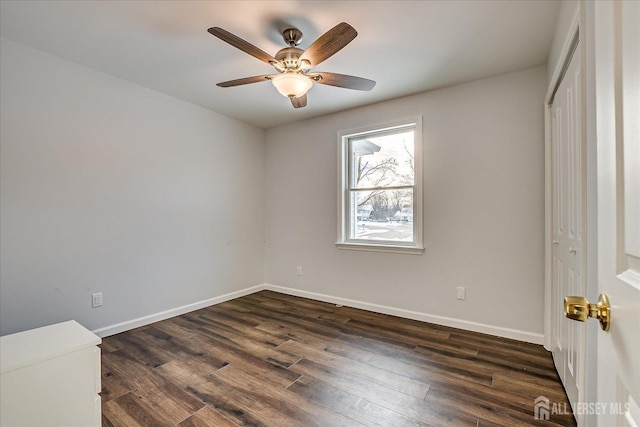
269,359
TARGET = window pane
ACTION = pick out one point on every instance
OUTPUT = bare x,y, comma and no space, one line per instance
382,161
382,215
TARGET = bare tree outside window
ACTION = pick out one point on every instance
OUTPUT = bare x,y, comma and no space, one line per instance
382,186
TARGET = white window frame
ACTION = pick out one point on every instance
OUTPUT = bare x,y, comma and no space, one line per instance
344,241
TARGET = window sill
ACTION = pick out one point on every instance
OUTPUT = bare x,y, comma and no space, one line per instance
372,247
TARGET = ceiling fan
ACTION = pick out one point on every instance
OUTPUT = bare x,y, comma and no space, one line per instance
294,65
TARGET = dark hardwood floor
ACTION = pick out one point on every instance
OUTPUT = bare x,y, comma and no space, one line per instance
269,359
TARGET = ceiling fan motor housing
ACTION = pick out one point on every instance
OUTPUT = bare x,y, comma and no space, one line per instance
289,57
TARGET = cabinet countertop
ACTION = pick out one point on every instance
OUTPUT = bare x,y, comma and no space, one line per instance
36,345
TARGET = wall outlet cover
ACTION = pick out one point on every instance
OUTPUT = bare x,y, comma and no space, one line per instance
96,300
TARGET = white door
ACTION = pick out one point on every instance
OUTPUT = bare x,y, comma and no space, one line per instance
617,74
567,225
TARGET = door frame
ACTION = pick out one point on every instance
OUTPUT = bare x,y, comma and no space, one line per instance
581,31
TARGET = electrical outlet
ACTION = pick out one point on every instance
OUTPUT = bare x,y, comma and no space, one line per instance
96,300
461,292
299,270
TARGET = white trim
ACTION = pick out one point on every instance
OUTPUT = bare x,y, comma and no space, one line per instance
563,59
376,308
398,249
156,317
415,315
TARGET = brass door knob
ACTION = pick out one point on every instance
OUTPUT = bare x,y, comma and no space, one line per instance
578,308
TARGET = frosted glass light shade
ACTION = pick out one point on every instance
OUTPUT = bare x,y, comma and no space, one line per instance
292,84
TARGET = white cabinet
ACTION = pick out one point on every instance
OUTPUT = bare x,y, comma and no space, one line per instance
50,376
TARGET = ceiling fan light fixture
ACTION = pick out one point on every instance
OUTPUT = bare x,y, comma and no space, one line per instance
292,85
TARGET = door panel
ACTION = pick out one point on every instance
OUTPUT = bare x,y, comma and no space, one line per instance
567,226
617,65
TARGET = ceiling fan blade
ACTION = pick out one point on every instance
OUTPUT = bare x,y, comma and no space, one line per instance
343,80
245,81
299,102
329,43
241,44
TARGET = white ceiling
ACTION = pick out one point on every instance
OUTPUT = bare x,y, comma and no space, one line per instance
405,46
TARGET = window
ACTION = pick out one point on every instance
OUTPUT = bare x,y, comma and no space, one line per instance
380,188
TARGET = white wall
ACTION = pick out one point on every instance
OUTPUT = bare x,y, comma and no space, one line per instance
110,187
484,206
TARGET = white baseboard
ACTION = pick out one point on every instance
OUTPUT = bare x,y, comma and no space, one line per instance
415,315
156,317
408,314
